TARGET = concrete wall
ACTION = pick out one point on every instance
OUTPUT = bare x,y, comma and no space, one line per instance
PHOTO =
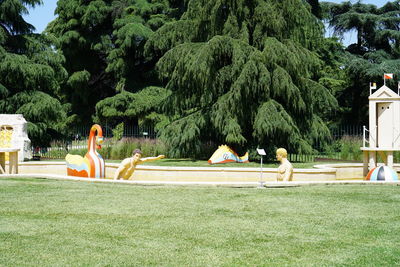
188,174
345,171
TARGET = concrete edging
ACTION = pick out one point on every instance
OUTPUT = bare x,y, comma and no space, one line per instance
189,174
222,184
145,174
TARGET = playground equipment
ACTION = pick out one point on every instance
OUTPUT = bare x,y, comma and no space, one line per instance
384,123
92,165
382,173
14,135
225,154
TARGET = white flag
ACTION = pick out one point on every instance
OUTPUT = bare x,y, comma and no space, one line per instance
372,86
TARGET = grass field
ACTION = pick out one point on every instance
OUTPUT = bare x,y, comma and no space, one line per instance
64,223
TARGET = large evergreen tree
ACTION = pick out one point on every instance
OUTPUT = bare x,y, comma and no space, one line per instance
138,91
30,73
103,44
244,73
84,29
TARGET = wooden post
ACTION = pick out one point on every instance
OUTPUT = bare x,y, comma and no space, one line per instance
365,163
390,159
382,154
13,162
372,159
2,162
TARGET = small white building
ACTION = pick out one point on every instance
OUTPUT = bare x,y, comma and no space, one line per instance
384,128
14,134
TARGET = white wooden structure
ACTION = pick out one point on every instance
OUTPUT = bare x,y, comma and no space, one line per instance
384,128
12,162
13,134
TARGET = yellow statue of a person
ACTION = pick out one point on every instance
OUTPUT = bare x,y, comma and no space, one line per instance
128,165
285,170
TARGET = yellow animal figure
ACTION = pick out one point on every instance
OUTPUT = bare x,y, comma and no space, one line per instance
225,154
6,133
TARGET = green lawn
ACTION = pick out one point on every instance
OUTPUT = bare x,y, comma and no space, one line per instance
65,223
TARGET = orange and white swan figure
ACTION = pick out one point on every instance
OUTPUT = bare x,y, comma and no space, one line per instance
92,165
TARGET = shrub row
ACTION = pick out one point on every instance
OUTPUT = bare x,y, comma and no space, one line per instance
111,149
346,148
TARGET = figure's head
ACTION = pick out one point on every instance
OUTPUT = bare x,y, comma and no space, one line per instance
97,133
136,154
281,153
99,141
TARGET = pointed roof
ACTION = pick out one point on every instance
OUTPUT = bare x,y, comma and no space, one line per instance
384,93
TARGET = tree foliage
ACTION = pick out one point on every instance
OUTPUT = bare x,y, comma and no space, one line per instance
245,73
375,52
103,44
126,106
30,73
242,73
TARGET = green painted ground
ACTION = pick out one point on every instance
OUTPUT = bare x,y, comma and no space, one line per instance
63,223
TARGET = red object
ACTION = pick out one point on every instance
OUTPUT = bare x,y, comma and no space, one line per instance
388,76
368,177
72,172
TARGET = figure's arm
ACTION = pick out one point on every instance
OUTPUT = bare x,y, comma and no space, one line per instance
151,158
117,173
124,164
280,173
288,173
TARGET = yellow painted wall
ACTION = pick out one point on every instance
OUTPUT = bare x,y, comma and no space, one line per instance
6,133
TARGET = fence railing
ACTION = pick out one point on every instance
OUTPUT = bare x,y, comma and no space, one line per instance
347,130
353,132
78,140
82,132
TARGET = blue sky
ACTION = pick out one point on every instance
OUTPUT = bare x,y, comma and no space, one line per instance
378,3
351,37
40,16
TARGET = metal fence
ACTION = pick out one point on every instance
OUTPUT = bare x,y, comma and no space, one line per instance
145,131
79,136
82,132
339,134
347,130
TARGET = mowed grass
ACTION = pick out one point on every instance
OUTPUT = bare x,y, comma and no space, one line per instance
66,223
